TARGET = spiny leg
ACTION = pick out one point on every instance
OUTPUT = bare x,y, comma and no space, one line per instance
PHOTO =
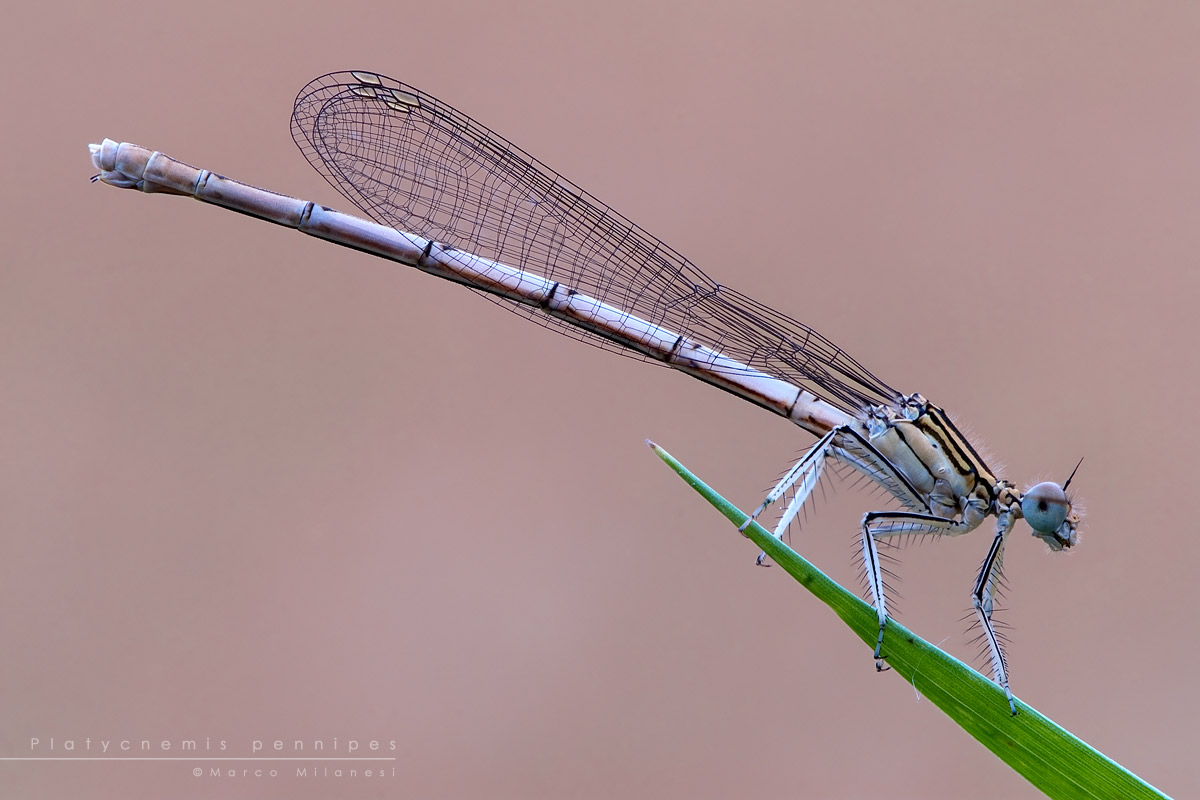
983,596
880,525
804,476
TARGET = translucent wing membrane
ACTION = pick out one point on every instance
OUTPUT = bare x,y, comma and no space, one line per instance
414,163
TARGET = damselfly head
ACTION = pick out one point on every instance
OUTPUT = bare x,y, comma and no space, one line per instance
1047,509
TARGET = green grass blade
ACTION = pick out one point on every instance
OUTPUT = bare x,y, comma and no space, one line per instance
1047,755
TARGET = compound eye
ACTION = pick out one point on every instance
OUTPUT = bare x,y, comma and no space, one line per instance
1045,507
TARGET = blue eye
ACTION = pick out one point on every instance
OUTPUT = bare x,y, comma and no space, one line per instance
1045,507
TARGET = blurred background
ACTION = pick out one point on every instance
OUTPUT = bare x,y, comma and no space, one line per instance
256,487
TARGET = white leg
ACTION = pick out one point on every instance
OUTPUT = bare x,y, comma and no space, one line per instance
882,524
804,476
983,596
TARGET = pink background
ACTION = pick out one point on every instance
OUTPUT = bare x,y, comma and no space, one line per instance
258,487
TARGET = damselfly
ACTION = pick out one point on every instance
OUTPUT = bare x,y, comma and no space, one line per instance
452,198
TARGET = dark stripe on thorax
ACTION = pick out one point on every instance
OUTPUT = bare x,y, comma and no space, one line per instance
937,426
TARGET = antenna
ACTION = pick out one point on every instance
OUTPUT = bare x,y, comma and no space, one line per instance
1068,483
